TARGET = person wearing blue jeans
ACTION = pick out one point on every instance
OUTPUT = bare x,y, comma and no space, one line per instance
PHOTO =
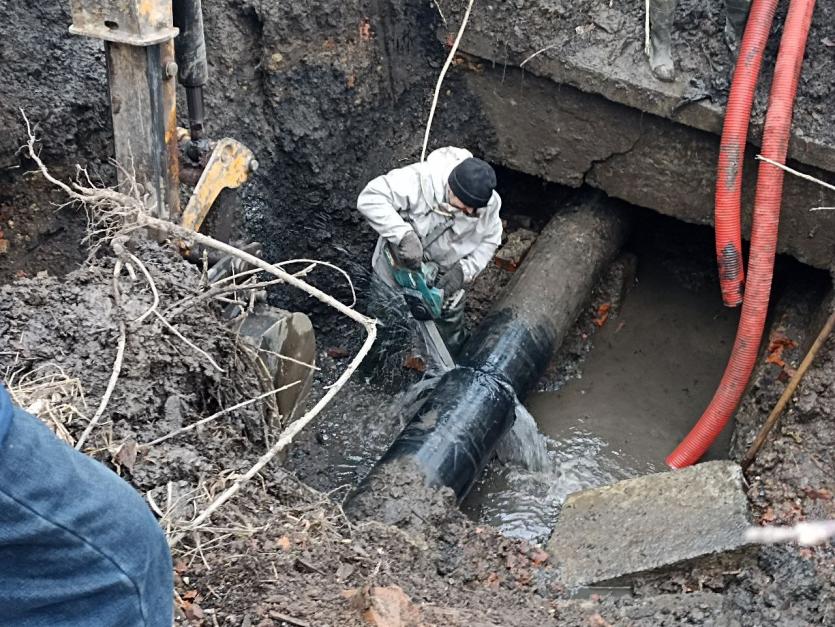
78,545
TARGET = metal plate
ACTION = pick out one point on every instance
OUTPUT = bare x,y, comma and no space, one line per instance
133,22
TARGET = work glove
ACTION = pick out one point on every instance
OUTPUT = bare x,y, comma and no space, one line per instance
452,280
410,251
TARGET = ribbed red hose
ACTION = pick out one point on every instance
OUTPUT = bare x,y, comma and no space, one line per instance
763,240
732,150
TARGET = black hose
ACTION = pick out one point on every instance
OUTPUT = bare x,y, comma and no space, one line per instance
193,69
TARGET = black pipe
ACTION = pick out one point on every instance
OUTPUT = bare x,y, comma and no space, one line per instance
192,68
453,434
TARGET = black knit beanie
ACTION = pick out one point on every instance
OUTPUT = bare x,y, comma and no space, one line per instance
473,181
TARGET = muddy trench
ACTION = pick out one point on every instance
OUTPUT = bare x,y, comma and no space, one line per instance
328,95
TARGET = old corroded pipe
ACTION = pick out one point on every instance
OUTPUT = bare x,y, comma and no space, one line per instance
454,433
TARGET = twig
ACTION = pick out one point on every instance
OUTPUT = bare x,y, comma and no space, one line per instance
218,415
441,13
538,52
109,212
286,436
204,273
805,533
190,343
153,505
313,263
33,154
117,365
448,62
154,291
290,359
806,177
647,26
775,414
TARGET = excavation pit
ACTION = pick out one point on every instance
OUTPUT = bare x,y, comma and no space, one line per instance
329,95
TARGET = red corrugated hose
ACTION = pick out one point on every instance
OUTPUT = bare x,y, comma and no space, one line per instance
732,150
763,240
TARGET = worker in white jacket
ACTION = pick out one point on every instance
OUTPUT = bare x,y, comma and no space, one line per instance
444,210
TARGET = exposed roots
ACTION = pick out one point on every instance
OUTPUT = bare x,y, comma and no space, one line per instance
114,216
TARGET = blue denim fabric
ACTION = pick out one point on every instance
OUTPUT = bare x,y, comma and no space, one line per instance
5,413
78,545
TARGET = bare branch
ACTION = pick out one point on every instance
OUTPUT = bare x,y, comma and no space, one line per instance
441,13
153,285
539,52
117,364
806,177
448,62
171,328
214,416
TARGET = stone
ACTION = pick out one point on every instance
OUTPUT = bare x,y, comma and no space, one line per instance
649,522
510,256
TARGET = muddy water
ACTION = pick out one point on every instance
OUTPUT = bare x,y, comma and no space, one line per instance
653,369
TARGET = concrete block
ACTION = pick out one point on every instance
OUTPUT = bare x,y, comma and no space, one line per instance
649,522
575,138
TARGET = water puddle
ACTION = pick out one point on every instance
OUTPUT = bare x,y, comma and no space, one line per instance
652,371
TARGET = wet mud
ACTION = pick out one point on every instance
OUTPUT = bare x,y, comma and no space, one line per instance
69,326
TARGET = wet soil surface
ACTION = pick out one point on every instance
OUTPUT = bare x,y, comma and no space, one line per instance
280,552
37,233
69,327
772,584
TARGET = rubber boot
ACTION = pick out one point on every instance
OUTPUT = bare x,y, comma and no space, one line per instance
660,39
736,15
451,325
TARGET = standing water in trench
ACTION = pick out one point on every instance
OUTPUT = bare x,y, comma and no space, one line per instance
654,365
653,368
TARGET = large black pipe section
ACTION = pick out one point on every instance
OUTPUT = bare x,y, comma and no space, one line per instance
454,433
192,68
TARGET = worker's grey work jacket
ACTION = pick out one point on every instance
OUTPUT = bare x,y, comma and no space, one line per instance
414,197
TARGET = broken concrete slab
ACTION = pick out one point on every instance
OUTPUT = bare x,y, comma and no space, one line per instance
599,49
653,521
544,128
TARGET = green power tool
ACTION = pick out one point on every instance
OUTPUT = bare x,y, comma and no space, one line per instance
424,300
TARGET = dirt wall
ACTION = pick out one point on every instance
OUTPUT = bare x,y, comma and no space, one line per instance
327,94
